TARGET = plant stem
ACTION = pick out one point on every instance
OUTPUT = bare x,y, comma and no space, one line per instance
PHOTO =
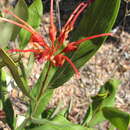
42,90
44,86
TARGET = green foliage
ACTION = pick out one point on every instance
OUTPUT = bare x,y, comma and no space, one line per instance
58,123
40,106
9,31
10,117
6,30
118,118
91,24
32,15
105,97
3,90
41,92
20,10
44,79
14,71
1,63
6,103
35,12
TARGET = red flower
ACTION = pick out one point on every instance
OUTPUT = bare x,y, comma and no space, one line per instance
54,53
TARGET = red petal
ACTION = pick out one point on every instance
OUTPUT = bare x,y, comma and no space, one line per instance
70,23
70,47
39,39
59,60
29,50
73,66
52,28
91,37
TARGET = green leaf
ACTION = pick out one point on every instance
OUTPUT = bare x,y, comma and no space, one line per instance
9,31
30,64
88,115
21,11
6,30
23,72
15,73
47,72
58,110
35,13
8,108
58,123
99,18
6,103
36,88
3,86
40,90
1,64
42,103
34,19
14,57
105,97
118,118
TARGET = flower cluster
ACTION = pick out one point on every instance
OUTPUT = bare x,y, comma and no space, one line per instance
56,51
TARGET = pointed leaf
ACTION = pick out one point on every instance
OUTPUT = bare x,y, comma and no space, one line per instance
40,90
118,118
6,103
88,115
15,73
8,108
48,72
105,97
6,30
58,123
21,11
1,64
30,64
42,103
34,19
9,31
2,83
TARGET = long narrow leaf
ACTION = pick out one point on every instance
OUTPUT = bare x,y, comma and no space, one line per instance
118,118
6,103
58,123
40,90
14,71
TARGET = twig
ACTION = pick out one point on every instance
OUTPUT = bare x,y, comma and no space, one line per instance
58,14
